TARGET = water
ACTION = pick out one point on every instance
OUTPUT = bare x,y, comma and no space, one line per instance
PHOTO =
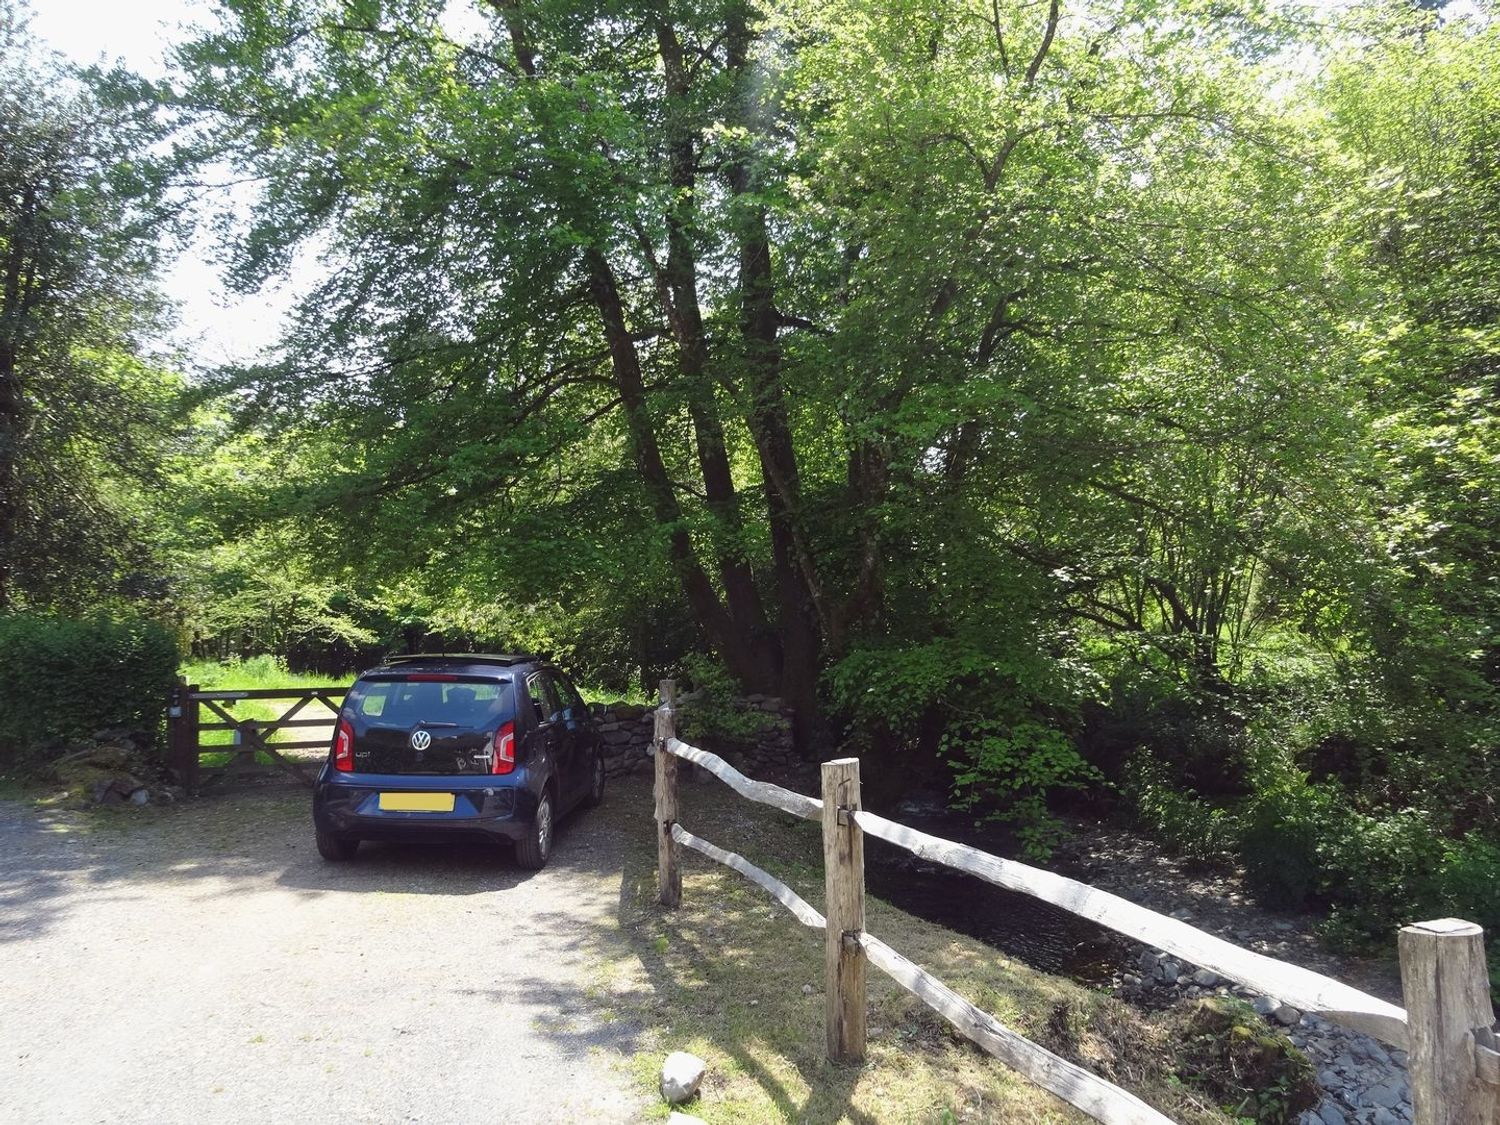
1024,928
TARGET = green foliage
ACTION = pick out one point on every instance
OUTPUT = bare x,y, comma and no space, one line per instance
1255,1074
265,671
1283,842
1016,766
87,415
717,713
66,679
997,709
1179,818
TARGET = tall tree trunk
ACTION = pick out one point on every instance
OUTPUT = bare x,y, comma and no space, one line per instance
736,646
10,433
18,297
686,318
707,610
799,612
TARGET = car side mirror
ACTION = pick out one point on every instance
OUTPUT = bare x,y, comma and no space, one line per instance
598,711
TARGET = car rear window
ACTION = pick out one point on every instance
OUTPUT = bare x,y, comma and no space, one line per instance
402,702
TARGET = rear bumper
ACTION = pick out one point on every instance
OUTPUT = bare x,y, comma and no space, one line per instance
349,806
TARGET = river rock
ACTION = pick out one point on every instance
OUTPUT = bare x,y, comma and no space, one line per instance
1265,1005
1205,978
1331,1114
681,1074
1286,1015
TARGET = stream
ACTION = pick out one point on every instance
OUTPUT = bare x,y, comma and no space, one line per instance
1030,931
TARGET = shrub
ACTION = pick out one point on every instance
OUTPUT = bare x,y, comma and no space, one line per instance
63,679
1000,711
1179,818
1255,1073
1283,839
718,715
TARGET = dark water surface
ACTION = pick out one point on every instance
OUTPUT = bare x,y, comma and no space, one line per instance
1027,929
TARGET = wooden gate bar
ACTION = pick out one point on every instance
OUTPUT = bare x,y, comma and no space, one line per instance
185,727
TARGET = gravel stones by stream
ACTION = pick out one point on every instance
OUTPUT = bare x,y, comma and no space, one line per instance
1364,1082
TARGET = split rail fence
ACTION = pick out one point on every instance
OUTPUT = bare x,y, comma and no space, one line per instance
191,711
1447,1026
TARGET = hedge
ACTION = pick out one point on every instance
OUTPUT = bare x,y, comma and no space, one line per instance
62,680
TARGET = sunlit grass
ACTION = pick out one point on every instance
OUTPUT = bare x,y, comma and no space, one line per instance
733,978
257,673
254,673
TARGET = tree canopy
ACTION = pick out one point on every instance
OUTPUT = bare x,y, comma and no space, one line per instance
1036,394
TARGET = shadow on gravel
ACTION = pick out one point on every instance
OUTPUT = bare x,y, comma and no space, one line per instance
232,840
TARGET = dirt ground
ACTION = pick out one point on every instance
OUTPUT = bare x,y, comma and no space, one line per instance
202,963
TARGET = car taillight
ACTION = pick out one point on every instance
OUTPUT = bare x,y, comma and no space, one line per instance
343,747
504,758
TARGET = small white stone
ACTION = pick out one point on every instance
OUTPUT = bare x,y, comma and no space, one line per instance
807,990
680,1075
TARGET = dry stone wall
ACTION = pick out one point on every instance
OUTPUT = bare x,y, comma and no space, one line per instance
626,731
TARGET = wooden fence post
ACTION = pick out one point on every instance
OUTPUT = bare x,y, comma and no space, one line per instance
190,735
668,874
1446,987
176,716
844,883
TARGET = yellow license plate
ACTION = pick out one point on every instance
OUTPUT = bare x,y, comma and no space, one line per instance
416,802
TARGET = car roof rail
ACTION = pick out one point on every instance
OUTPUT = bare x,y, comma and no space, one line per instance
464,658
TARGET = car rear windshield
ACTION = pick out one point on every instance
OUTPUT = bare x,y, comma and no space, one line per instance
403,702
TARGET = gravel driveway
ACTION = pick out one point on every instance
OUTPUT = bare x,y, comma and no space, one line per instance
200,962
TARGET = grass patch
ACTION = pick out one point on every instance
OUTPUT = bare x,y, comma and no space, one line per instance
255,674
732,977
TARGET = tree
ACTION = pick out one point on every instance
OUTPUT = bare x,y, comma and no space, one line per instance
82,413
798,269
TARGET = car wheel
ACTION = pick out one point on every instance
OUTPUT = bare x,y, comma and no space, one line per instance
596,785
533,848
336,849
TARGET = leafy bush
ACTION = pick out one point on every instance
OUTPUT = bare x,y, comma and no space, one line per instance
1199,735
63,679
1014,764
1255,1073
718,715
1179,818
999,709
1283,832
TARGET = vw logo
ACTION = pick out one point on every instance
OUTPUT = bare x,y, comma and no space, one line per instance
420,740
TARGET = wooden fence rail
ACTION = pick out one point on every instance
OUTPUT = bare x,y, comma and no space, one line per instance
1447,1025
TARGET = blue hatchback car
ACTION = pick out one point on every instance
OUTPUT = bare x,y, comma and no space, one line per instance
437,746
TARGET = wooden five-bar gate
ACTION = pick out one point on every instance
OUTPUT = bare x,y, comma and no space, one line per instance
191,711
1447,1026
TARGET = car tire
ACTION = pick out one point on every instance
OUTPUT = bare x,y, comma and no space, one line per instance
595,796
533,848
336,849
